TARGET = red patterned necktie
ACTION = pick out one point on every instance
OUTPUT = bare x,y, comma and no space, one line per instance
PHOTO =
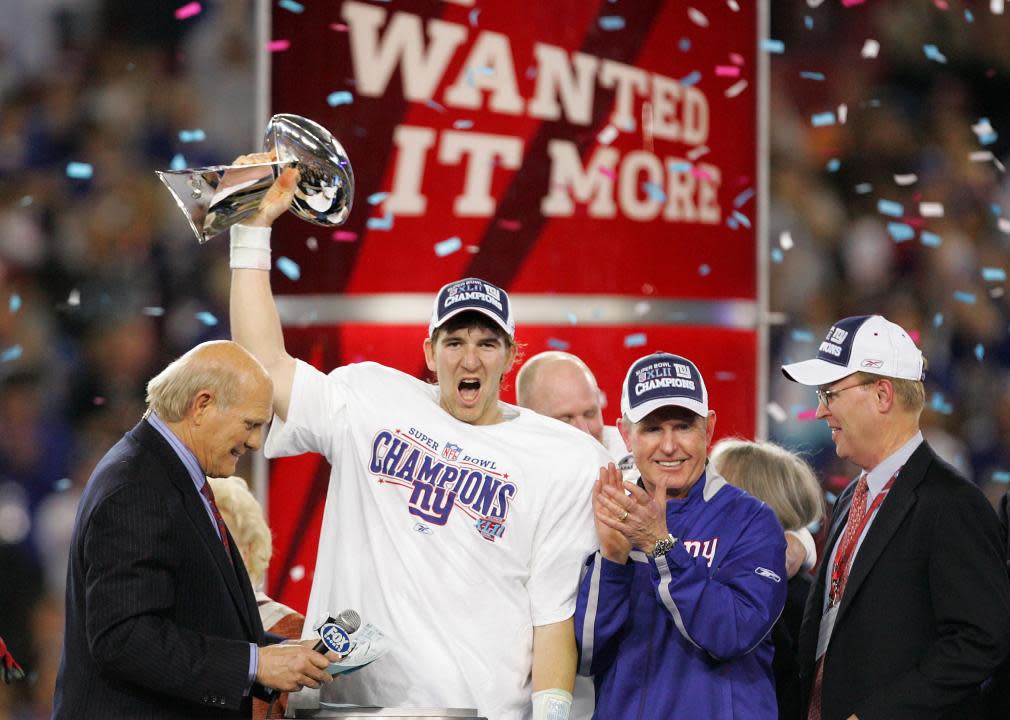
857,511
222,529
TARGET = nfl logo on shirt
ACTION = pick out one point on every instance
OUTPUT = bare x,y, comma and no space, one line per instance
451,451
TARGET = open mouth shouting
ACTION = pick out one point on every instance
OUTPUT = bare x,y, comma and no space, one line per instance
469,391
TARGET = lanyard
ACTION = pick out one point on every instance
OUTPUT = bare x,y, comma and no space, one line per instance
843,556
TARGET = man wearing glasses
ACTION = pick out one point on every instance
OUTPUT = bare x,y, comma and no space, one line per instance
910,613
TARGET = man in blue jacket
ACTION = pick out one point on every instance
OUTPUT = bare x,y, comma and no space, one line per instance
674,611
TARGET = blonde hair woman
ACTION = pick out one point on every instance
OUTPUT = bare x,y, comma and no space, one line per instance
788,485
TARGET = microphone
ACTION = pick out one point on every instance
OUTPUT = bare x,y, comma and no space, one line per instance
334,634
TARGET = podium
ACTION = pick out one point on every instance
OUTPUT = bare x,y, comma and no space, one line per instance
368,713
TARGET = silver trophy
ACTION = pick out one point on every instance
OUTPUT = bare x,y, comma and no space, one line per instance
217,197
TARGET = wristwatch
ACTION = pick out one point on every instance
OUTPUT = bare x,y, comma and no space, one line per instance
663,546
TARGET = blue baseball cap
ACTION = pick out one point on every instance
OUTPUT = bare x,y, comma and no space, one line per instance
473,294
659,380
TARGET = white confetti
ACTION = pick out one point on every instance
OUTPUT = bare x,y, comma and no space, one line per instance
870,49
607,135
786,240
697,17
735,89
75,298
908,179
297,573
931,209
776,412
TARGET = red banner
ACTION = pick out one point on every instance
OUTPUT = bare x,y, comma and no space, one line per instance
561,150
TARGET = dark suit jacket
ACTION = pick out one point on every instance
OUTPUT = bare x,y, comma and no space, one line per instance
158,621
925,617
997,695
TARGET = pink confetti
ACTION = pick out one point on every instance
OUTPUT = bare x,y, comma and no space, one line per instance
941,4
510,225
807,414
278,45
852,3
608,172
699,173
338,27
736,58
188,10
344,236
727,71
915,335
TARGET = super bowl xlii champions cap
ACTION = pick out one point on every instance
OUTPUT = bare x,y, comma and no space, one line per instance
473,294
659,380
865,343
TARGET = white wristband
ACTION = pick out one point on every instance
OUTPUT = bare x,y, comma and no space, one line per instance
553,704
250,247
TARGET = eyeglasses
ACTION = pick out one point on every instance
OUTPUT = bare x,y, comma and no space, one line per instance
826,396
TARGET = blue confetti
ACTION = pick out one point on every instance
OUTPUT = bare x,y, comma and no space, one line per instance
178,162
473,17
572,318
930,239
654,191
900,232
463,124
725,376
11,353
79,170
979,352
743,219
938,320
933,53
684,44
732,223
807,75
380,223
993,274
486,70
808,22
340,97
636,340
15,303
556,344
996,209
289,267
206,318
291,6
62,485
741,199
968,16
690,79
1001,476
822,119
889,207
448,246
679,166
704,270
830,497
803,336
376,198
611,22
833,165
964,297
436,106
940,404
863,188
189,136
773,46
777,255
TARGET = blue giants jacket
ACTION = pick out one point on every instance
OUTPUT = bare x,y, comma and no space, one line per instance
686,635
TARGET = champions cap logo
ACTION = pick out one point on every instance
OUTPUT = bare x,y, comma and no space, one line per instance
837,345
662,379
473,294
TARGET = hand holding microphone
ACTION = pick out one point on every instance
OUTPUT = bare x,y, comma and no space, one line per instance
290,667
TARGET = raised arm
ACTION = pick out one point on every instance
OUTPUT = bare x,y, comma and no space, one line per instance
255,324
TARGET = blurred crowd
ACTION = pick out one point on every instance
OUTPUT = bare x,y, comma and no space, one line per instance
101,283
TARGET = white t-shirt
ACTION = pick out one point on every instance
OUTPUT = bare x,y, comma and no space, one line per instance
453,539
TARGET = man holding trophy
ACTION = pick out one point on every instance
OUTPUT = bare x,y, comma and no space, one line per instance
453,521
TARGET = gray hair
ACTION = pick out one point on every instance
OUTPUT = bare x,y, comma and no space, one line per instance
170,392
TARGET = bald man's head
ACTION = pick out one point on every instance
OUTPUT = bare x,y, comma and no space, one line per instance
559,385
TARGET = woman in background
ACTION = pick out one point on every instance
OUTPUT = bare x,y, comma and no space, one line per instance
787,484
